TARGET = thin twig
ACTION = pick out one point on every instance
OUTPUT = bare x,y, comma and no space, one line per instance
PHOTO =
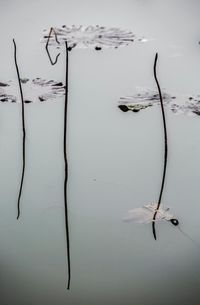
47,45
66,169
166,148
23,130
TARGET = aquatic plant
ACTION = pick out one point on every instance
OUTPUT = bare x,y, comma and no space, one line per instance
23,131
64,147
165,147
145,214
34,90
143,100
149,100
95,37
146,98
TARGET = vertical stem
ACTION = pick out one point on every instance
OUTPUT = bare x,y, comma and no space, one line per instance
64,148
23,130
66,169
166,149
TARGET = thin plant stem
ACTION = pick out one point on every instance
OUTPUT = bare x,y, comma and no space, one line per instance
23,130
64,150
47,45
165,151
66,169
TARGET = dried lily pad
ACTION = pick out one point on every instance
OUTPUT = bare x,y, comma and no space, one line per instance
35,90
96,37
179,104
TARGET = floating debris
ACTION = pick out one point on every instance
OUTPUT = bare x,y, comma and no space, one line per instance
35,90
96,37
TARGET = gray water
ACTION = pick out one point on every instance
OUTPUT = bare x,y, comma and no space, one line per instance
115,159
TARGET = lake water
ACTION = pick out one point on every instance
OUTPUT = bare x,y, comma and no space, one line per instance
115,159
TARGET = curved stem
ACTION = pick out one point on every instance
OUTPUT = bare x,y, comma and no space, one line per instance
166,149
23,130
47,45
66,169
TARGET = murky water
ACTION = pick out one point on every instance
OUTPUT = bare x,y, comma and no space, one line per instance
115,158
